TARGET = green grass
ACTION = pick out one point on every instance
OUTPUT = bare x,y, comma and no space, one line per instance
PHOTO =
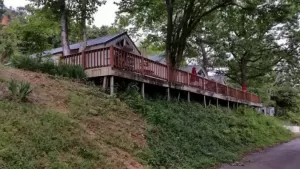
33,137
186,135
49,67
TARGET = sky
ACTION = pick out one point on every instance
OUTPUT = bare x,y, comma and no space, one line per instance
104,16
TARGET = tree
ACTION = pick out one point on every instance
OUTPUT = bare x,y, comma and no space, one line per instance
63,10
1,8
85,10
246,41
172,20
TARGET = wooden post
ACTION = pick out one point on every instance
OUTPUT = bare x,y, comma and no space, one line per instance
112,85
228,104
143,62
217,102
168,93
143,90
104,83
112,58
189,97
217,87
83,60
188,79
204,98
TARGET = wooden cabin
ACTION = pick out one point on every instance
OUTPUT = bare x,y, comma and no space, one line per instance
117,57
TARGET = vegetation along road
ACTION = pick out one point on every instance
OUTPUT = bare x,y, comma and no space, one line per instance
285,156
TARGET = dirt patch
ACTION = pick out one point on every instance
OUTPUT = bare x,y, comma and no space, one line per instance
47,91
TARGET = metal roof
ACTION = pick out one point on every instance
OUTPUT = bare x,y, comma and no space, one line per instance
91,42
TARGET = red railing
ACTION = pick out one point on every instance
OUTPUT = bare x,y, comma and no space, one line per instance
126,61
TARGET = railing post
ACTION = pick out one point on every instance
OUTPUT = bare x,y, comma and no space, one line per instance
83,60
245,96
112,58
236,94
188,78
143,62
217,87
227,93
203,83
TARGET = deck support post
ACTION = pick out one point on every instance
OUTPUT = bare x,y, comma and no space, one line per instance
189,97
217,102
104,85
228,104
168,93
112,85
204,98
143,90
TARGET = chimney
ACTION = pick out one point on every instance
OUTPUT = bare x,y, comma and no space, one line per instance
4,20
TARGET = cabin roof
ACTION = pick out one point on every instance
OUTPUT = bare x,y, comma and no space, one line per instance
158,58
90,42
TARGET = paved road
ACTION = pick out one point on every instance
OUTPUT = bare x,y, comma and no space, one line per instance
285,156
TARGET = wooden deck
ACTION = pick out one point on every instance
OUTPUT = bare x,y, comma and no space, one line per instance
113,61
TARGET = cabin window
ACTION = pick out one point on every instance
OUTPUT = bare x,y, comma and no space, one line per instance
120,43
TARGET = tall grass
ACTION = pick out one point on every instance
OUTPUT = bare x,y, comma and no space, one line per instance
48,66
186,135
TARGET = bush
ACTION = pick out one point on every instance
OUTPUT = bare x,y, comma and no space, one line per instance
19,90
49,67
187,135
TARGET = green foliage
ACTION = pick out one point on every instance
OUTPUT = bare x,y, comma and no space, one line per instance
19,90
291,118
48,66
37,31
186,135
287,99
33,137
8,44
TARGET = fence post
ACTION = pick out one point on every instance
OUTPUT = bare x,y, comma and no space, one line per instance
111,53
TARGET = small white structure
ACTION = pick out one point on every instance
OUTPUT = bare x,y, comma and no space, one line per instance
270,111
294,129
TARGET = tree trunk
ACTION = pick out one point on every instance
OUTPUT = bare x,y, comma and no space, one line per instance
204,57
64,30
169,5
83,27
243,68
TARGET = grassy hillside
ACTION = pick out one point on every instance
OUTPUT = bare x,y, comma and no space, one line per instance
186,135
66,124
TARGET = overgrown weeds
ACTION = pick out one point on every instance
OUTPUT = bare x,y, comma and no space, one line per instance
48,66
186,135
19,90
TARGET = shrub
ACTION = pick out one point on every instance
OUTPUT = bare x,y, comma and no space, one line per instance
19,90
48,66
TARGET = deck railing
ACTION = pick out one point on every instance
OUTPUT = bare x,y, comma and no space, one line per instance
119,59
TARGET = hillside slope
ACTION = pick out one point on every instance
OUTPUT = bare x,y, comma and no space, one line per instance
66,124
